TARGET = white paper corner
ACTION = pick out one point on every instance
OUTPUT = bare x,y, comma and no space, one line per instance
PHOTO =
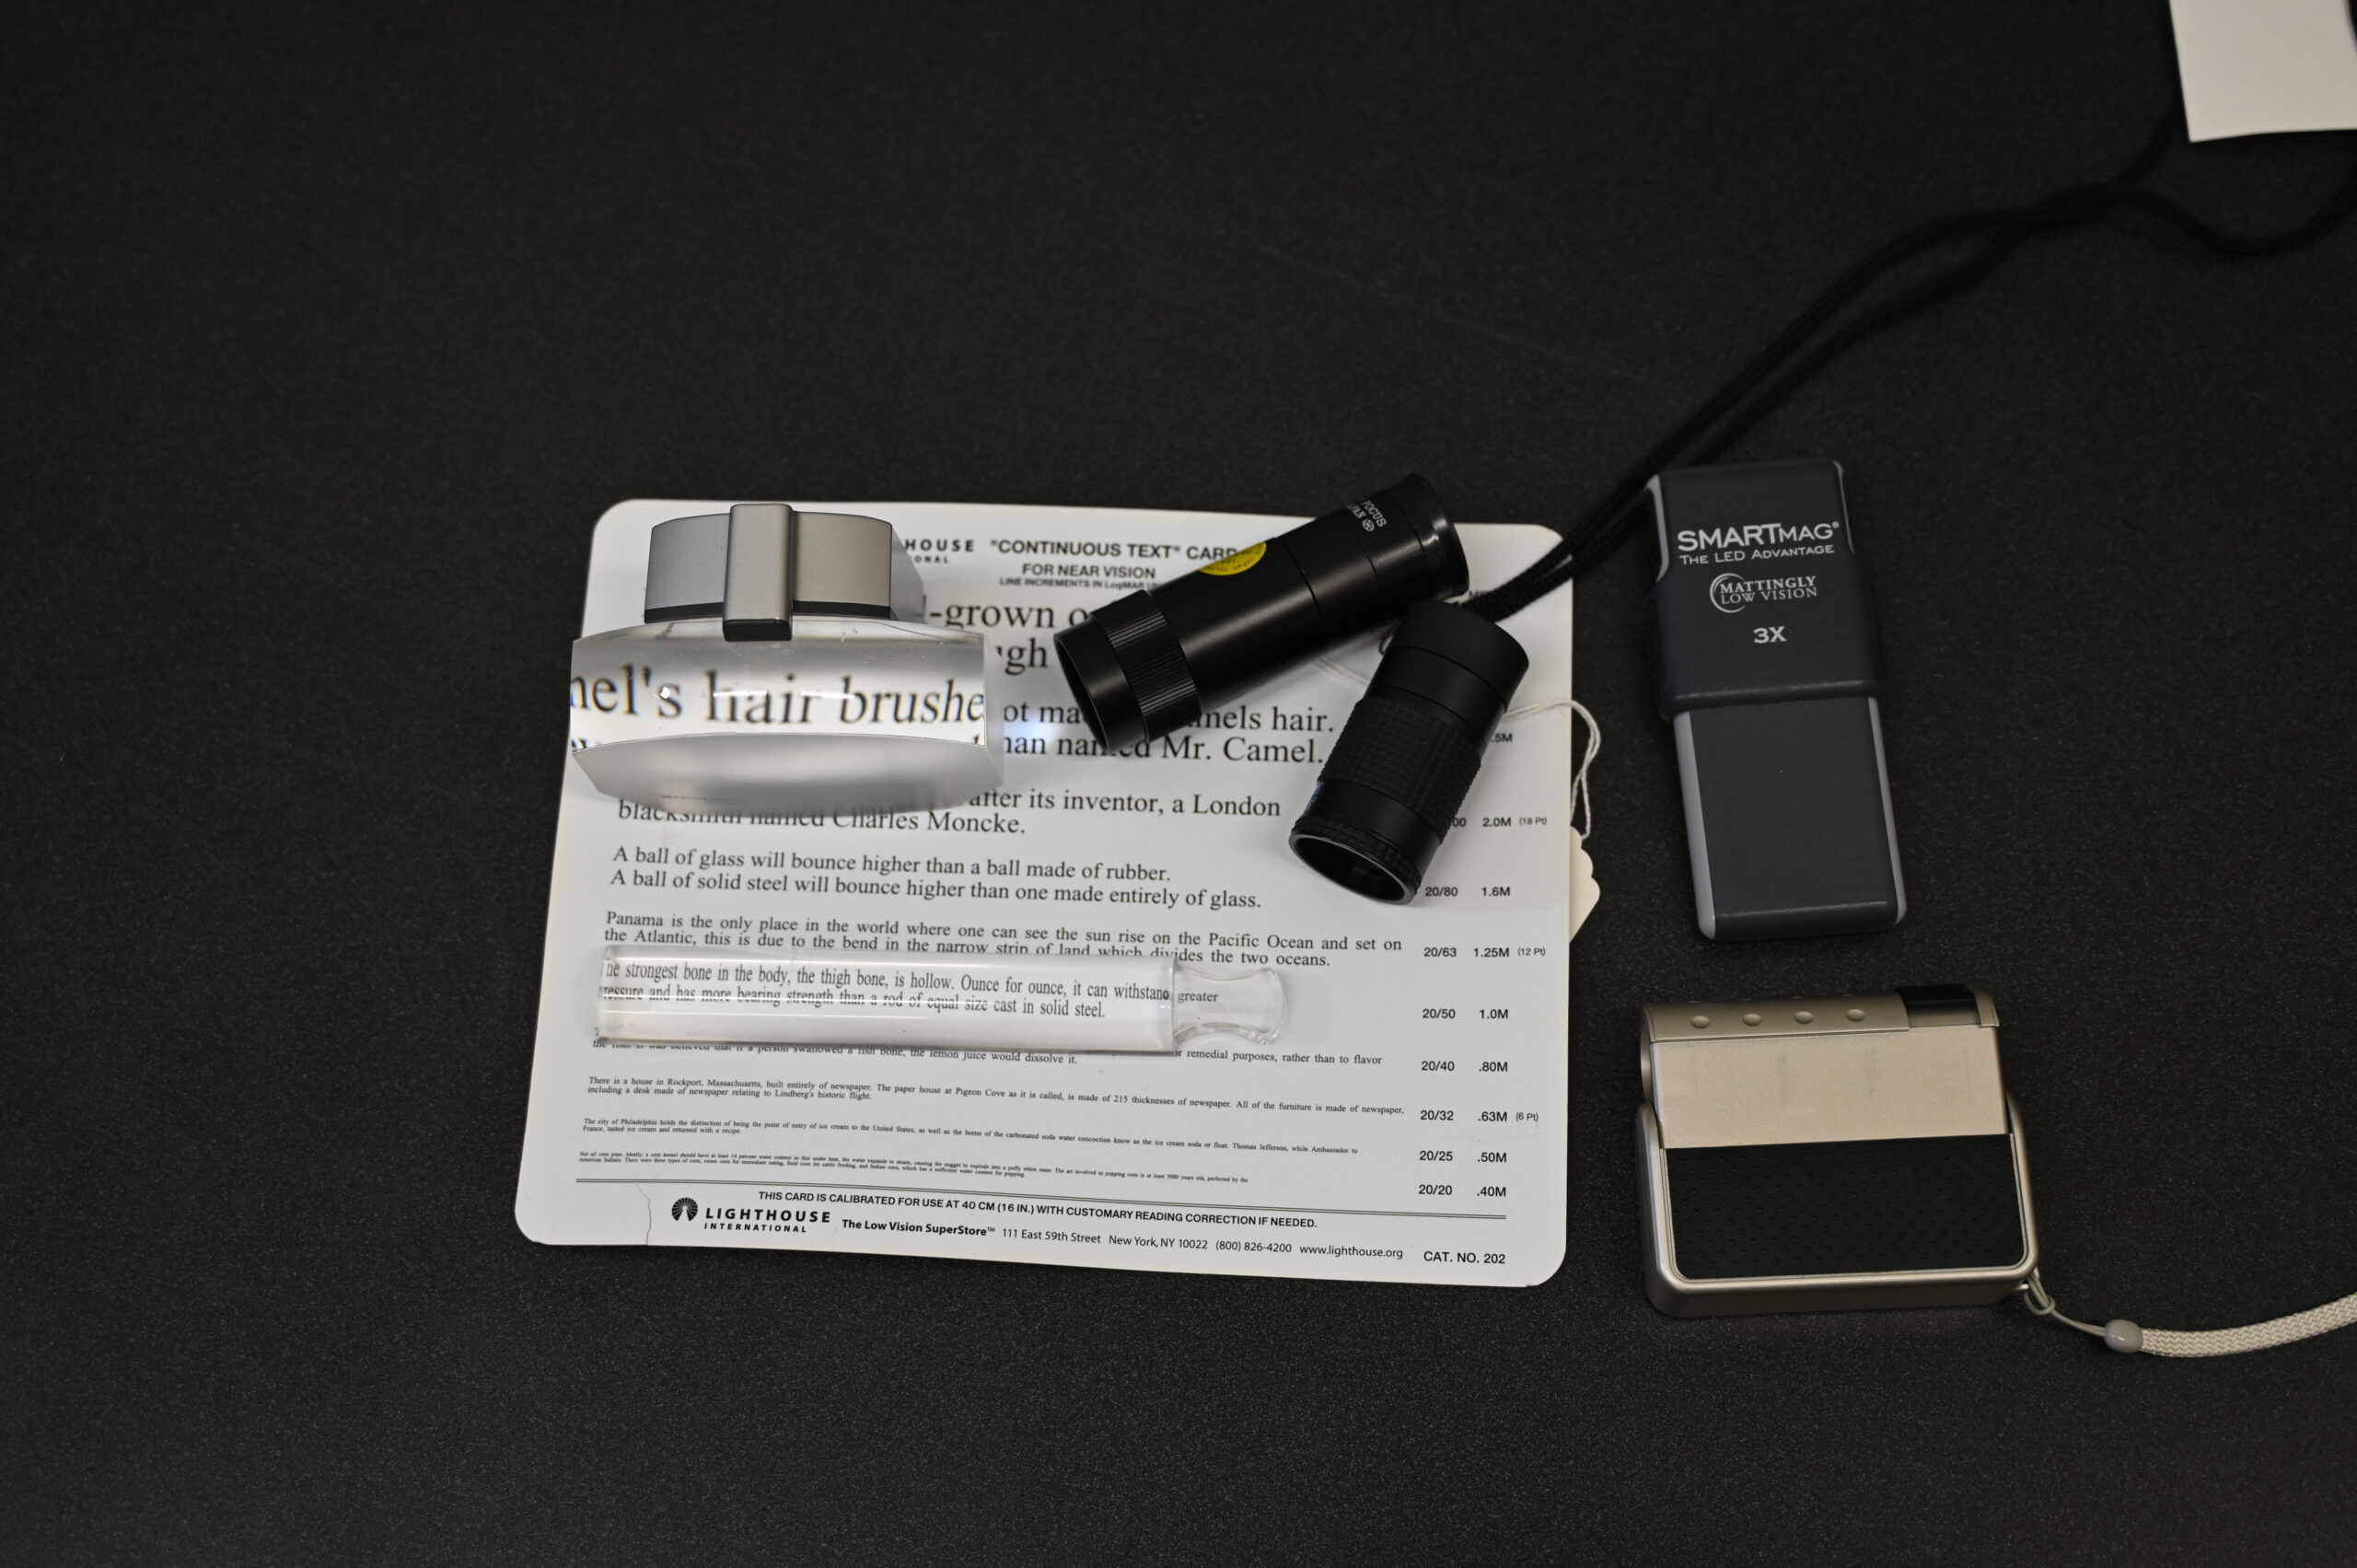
2252,67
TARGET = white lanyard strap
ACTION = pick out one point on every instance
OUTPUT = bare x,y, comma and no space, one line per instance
2127,1337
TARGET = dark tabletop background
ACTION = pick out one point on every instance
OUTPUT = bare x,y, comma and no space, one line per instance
330,331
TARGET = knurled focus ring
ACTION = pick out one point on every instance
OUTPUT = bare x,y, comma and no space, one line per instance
1404,748
1148,650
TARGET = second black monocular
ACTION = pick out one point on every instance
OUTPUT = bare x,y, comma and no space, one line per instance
1154,661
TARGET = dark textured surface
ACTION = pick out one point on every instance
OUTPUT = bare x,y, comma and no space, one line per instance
328,331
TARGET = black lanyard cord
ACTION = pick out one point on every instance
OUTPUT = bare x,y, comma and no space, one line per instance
1724,418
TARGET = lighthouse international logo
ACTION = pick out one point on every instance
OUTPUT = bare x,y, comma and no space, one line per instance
685,1209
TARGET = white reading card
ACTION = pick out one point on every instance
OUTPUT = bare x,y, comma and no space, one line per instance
1407,1123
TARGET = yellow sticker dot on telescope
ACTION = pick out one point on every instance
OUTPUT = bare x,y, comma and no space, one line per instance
1243,559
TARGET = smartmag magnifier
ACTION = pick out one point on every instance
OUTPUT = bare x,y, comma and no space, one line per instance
1771,679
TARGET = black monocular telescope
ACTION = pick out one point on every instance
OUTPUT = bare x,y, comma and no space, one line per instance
1153,661
1389,790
